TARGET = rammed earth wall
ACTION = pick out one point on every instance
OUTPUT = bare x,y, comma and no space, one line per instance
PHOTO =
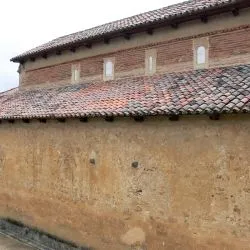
80,181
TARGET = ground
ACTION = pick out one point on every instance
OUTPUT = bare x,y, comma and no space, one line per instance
7,243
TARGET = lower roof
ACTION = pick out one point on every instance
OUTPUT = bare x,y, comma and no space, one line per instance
219,90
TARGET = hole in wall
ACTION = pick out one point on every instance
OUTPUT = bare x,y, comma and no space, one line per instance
135,164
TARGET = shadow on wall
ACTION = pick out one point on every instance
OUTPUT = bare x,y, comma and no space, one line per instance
35,237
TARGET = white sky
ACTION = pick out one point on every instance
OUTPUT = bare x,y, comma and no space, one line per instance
25,24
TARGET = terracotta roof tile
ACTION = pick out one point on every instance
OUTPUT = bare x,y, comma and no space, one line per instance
187,8
221,90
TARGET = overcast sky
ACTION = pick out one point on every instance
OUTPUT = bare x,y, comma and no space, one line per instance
25,24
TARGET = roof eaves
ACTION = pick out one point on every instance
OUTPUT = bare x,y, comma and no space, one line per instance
179,17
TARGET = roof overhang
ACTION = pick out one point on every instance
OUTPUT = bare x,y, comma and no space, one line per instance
233,6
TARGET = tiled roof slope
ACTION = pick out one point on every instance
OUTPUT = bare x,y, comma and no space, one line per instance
172,12
222,90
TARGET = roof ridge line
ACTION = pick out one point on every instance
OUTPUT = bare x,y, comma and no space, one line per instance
107,23
186,9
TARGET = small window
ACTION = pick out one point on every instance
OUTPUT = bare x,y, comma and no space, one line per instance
75,73
150,64
201,55
201,52
150,61
108,69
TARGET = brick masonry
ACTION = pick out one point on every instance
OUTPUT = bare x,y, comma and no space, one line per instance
228,47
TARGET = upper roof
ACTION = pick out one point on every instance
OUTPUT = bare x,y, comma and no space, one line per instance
220,90
168,15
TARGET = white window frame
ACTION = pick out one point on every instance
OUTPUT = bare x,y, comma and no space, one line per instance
107,76
201,53
75,73
150,61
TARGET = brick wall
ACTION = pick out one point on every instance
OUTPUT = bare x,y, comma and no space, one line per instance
226,47
91,66
175,52
50,74
230,43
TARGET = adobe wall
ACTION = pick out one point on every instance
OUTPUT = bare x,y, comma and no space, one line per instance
190,191
228,45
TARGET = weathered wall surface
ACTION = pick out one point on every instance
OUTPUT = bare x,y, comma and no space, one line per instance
191,190
228,45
